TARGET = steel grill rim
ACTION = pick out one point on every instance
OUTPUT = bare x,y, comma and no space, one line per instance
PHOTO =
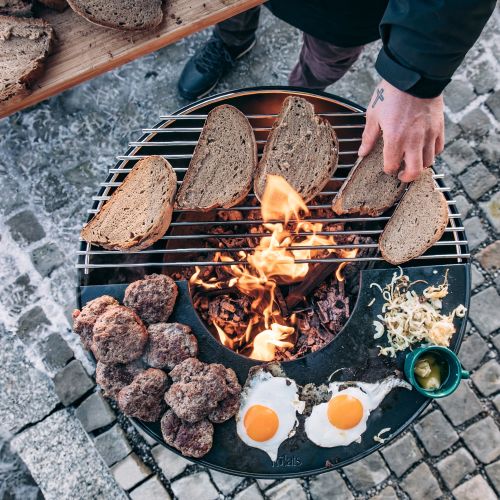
455,249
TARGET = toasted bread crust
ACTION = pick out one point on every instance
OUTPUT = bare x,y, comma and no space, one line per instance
199,153
442,207
158,230
322,181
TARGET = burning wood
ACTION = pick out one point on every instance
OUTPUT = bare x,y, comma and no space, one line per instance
250,319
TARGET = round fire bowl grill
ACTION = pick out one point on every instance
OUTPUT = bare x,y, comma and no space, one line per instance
352,355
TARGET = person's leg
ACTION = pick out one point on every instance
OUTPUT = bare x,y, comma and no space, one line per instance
239,30
230,40
321,63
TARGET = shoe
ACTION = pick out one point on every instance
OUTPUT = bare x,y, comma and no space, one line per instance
204,70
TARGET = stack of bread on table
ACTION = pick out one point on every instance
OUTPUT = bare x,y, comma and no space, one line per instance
26,41
302,148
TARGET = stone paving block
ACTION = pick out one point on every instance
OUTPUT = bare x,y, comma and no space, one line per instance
459,155
491,209
112,445
483,439
451,130
477,180
475,232
496,341
455,467
493,103
489,149
484,307
25,228
493,473
291,488
63,462
476,123
47,258
472,351
130,471
476,276
489,257
462,405
458,94
152,489
31,324
19,294
55,351
72,382
402,454
487,378
367,473
436,433
250,493
170,464
226,483
474,489
196,486
388,493
329,485
483,77
420,484
496,402
463,205
95,412
26,395
265,483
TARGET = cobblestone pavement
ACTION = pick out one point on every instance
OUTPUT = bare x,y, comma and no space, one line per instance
53,157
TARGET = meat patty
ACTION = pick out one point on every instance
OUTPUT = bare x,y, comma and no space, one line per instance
197,389
229,406
84,320
119,336
143,398
113,378
192,440
152,298
169,344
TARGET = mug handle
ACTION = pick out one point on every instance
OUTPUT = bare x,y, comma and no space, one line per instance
465,374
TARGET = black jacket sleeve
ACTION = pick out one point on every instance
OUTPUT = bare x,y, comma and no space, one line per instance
426,40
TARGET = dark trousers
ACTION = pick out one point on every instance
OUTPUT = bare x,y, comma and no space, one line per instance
320,63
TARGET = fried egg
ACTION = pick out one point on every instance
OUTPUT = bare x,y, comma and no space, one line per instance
342,420
268,412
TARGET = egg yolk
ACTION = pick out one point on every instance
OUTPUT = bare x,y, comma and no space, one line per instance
344,411
261,423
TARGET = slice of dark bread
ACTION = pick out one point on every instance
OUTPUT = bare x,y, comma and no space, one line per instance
367,189
15,7
417,223
221,170
58,5
119,14
25,44
302,147
139,211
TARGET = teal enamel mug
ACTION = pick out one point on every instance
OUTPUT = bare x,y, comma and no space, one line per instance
449,367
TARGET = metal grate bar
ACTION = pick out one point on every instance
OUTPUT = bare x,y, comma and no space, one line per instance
257,116
234,262
194,143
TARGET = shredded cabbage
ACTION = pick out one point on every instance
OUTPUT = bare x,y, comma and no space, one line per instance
408,317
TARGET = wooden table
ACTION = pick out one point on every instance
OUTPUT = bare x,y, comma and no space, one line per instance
85,50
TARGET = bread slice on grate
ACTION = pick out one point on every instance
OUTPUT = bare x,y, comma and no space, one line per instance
417,223
25,44
137,15
302,147
367,189
15,7
139,211
221,170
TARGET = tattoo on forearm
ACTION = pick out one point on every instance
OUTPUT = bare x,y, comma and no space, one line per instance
378,97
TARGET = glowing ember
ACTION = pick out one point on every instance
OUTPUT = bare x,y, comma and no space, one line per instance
277,260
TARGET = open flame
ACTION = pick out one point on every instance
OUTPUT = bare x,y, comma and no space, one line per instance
277,260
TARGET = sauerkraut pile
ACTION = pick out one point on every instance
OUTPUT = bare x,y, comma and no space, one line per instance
408,317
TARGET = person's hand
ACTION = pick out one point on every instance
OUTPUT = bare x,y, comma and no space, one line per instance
413,130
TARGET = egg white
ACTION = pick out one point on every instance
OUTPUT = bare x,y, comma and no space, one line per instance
320,430
281,395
